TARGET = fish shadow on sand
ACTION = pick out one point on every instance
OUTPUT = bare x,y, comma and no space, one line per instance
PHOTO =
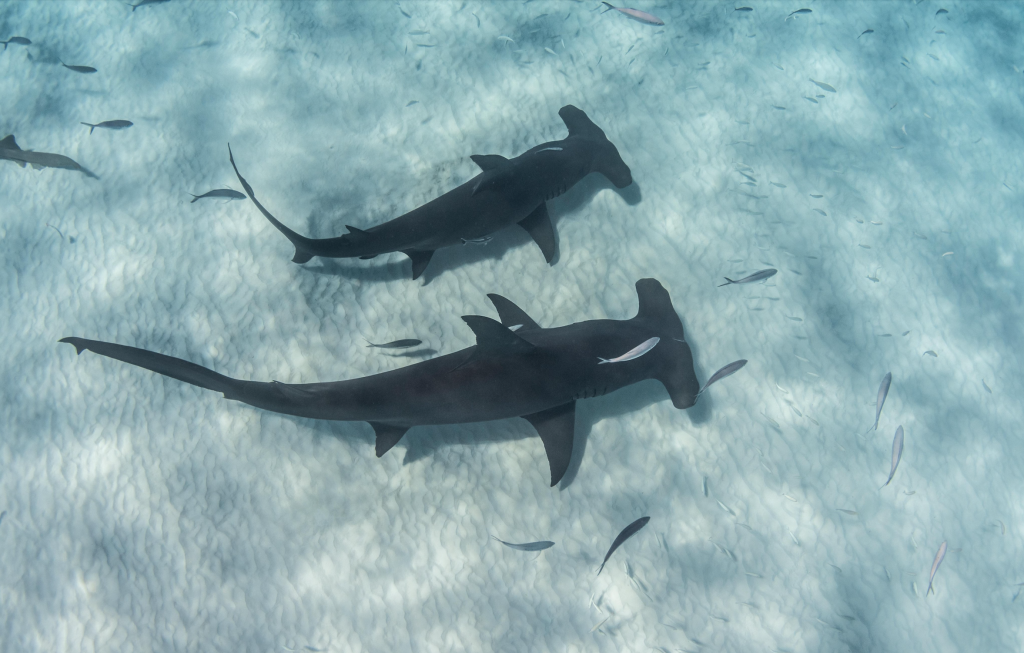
396,266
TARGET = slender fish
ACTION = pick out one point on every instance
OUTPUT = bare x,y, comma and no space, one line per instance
626,533
824,86
220,192
757,276
634,353
636,14
799,11
19,40
935,566
2,515
397,344
112,124
883,391
531,546
79,69
144,3
729,369
897,453
867,31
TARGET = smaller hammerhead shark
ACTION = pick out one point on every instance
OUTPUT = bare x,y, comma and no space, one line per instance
506,192
516,369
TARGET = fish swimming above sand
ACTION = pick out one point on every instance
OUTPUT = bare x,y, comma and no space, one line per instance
824,86
396,344
530,546
111,124
728,370
19,40
9,150
506,192
143,3
897,453
867,31
883,392
85,70
635,14
626,533
760,275
535,373
226,193
935,566
634,353
798,11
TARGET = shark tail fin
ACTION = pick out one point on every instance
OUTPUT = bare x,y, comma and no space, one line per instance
90,126
303,245
610,7
167,365
728,282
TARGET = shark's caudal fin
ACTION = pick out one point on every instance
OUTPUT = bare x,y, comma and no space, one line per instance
303,245
676,372
166,365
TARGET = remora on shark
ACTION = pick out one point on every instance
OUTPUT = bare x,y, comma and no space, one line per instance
534,373
507,192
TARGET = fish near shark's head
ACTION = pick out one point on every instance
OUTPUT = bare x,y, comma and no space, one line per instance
604,155
674,367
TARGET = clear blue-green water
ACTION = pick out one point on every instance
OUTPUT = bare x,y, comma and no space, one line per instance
879,172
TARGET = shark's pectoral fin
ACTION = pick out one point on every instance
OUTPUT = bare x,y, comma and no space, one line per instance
556,427
494,338
420,260
301,256
387,436
488,161
538,225
511,314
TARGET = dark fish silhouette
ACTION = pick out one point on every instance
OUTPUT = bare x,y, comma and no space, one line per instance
79,69
867,31
757,276
729,369
112,124
9,150
940,12
507,192
635,14
897,453
143,3
20,40
883,392
744,9
534,373
531,546
397,344
626,533
220,192
800,11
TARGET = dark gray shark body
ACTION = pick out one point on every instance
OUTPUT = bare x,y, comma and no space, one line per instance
9,150
534,373
506,192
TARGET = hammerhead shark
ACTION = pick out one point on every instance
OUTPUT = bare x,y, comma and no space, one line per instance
9,150
516,369
506,192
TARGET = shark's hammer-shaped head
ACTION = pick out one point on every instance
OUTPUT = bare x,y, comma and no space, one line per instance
674,360
606,159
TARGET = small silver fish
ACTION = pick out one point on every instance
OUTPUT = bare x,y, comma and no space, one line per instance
19,40
824,86
79,69
4,514
798,11
985,385
635,14
476,241
867,31
819,211
852,513
897,453
634,353
883,392
704,486
778,185
930,353
757,276
220,192
626,533
397,344
530,546
935,566
729,369
550,149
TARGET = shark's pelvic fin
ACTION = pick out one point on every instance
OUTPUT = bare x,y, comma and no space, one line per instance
489,161
538,225
556,427
578,123
387,436
511,314
495,339
420,260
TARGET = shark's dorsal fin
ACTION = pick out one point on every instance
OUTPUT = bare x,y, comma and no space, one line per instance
419,261
578,123
495,339
387,436
538,225
489,161
511,314
355,232
556,427
9,144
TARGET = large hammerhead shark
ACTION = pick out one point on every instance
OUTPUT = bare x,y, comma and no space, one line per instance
516,369
507,192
